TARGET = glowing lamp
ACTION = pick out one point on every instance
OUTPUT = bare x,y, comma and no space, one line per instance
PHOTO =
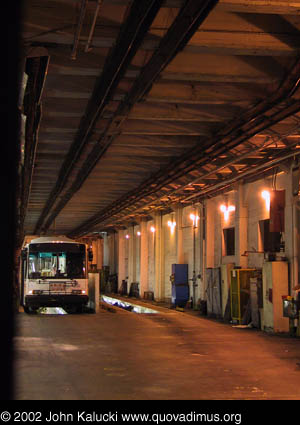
226,210
152,228
138,233
265,194
194,219
127,236
172,225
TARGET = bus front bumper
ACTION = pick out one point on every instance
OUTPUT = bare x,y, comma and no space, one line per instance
55,300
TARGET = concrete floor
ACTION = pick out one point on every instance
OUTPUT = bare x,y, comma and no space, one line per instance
170,355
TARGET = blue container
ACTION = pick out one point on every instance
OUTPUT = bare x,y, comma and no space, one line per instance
180,287
180,272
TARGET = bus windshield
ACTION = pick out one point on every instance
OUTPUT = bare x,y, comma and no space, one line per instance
57,260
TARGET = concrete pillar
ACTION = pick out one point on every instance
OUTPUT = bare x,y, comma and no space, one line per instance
122,266
95,252
179,235
131,257
144,253
202,250
159,291
99,259
105,250
112,253
137,232
241,228
210,234
94,291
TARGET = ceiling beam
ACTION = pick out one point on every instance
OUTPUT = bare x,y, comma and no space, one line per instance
250,123
281,7
130,37
219,42
186,23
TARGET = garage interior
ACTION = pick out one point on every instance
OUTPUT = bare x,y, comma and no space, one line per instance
157,132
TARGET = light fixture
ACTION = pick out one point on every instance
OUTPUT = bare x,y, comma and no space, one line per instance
172,225
152,229
265,194
194,218
138,233
226,210
127,236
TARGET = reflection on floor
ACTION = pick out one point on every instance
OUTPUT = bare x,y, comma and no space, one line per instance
128,306
51,310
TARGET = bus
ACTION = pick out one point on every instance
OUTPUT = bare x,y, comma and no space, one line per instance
54,274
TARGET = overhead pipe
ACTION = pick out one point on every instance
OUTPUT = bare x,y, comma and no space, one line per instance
87,46
79,231
37,83
129,40
264,166
253,117
232,136
191,15
134,198
78,28
129,199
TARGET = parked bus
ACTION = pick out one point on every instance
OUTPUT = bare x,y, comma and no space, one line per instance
54,274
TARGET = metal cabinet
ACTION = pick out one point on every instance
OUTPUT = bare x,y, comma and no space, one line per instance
240,292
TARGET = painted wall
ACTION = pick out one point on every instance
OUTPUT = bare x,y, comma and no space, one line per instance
203,245
170,243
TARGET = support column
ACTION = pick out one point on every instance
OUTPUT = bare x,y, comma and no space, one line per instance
105,251
111,254
144,284
131,257
241,228
202,224
99,259
159,291
179,235
210,234
122,268
95,252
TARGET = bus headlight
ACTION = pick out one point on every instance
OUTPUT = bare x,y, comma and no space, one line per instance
77,291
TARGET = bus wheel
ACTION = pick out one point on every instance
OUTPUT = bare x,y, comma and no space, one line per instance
29,310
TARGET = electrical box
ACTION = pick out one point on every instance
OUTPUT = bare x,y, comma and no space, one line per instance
275,285
240,292
180,287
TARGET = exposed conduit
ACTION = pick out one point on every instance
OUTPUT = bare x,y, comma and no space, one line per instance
88,43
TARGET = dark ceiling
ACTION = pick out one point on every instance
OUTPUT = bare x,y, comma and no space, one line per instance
134,106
